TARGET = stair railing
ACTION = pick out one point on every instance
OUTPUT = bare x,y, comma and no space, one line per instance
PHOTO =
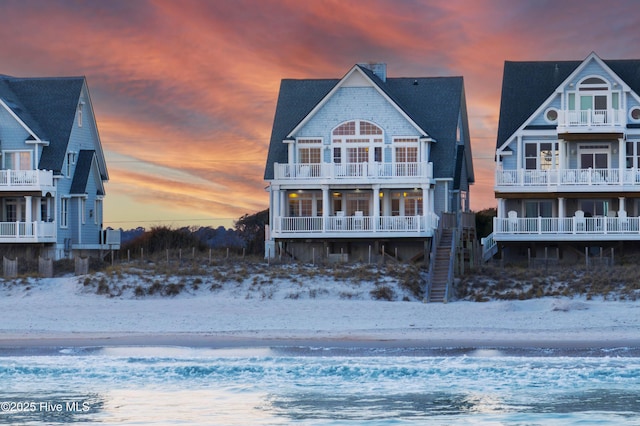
432,259
455,238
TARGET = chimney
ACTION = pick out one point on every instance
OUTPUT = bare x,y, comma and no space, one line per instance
378,68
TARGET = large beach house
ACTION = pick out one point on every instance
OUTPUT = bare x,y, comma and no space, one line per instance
366,165
568,157
52,170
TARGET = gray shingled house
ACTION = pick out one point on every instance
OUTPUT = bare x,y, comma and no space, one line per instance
52,170
567,158
366,165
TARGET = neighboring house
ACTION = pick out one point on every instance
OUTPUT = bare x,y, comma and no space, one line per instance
568,156
366,164
52,170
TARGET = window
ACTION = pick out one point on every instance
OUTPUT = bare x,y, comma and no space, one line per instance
71,160
594,156
538,208
551,115
17,160
413,205
633,154
406,150
97,212
358,141
302,205
594,208
64,212
309,155
80,108
540,156
358,202
634,114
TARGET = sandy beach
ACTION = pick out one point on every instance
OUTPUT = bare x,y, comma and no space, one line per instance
59,312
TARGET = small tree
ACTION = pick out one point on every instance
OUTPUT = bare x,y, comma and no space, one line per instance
251,229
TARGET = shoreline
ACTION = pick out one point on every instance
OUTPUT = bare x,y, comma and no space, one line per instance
226,341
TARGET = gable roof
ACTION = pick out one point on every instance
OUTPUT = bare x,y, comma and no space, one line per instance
84,164
526,85
434,104
48,107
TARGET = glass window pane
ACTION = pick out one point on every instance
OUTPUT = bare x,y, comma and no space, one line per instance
586,102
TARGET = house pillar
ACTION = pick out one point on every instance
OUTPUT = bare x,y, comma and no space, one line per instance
28,207
520,153
621,203
622,154
426,200
376,206
277,208
561,213
500,208
291,145
562,154
326,206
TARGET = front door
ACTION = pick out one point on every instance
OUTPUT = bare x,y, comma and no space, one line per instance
596,157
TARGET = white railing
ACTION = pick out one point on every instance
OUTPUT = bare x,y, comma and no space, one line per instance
27,231
354,224
566,226
25,178
591,118
571,177
352,170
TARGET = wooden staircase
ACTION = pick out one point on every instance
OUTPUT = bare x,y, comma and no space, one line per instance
440,273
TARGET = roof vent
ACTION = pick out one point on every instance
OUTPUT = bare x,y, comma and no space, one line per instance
378,68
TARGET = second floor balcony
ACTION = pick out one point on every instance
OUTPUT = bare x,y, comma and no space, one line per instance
353,171
26,180
566,180
600,120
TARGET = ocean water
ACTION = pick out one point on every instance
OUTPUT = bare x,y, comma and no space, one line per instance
318,386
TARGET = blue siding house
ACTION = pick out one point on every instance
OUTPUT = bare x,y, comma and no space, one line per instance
366,163
52,170
568,156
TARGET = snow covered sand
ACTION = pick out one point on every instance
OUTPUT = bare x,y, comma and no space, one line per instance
64,312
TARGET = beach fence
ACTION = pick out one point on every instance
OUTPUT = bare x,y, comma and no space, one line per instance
45,267
10,267
81,265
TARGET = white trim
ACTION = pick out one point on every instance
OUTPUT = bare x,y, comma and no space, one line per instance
22,123
340,84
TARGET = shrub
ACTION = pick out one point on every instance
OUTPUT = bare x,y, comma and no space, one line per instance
383,293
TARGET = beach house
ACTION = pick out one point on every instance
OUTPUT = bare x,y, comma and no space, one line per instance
567,177
52,170
366,165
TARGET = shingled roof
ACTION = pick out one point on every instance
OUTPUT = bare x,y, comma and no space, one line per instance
433,103
526,85
48,107
83,169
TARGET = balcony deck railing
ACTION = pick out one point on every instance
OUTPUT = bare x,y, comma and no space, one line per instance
555,228
27,232
592,118
352,170
569,177
343,225
10,179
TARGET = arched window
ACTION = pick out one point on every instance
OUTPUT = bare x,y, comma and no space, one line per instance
357,141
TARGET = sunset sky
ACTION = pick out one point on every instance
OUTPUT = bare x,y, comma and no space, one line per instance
185,91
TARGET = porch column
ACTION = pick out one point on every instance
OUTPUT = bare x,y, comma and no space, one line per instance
290,151
621,203
275,199
326,206
28,206
520,153
622,163
561,213
376,208
425,205
500,209
562,156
